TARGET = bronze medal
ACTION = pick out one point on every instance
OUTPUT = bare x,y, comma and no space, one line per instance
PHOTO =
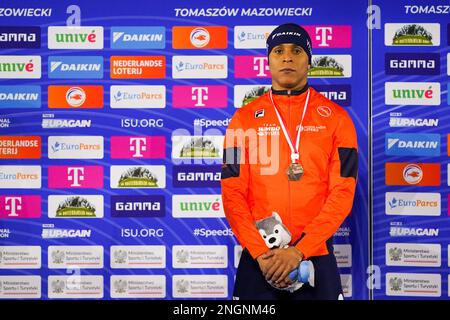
294,171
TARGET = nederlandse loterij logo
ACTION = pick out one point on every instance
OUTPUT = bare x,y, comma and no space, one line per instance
412,34
75,37
198,148
331,66
138,177
20,67
76,207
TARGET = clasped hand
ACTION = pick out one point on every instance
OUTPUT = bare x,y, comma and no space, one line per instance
276,264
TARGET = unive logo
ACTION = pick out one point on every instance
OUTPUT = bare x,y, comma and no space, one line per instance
199,37
20,67
196,176
197,206
251,67
413,93
79,206
132,97
419,174
412,34
20,206
138,206
414,204
137,67
338,93
199,67
75,147
138,177
75,97
331,66
75,67
201,96
330,36
24,37
412,63
138,37
63,177
75,38
18,97
410,144
144,147
20,147
20,177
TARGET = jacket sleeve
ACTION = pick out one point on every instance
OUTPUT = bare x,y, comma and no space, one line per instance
343,173
235,189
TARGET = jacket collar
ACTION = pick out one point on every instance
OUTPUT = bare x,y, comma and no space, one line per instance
291,92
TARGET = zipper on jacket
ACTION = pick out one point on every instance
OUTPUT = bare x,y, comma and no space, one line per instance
289,182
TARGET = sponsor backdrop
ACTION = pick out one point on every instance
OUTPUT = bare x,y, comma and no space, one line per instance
112,133
410,150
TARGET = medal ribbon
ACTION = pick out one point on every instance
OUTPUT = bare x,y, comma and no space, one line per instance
294,152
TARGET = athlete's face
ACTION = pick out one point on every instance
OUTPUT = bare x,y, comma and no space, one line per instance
288,65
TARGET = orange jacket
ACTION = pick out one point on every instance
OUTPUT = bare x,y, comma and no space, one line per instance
318,203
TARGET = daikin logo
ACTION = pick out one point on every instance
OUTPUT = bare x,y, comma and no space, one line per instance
75,67
138,38
407,144
20,96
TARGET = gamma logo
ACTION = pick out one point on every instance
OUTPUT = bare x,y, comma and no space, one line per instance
20,37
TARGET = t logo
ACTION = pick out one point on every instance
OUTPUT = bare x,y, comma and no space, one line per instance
260,65
138,145
13,204
199,94
324,34
75,174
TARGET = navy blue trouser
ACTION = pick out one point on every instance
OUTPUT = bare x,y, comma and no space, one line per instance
250,283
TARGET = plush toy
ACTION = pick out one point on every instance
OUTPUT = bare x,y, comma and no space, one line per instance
276,235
